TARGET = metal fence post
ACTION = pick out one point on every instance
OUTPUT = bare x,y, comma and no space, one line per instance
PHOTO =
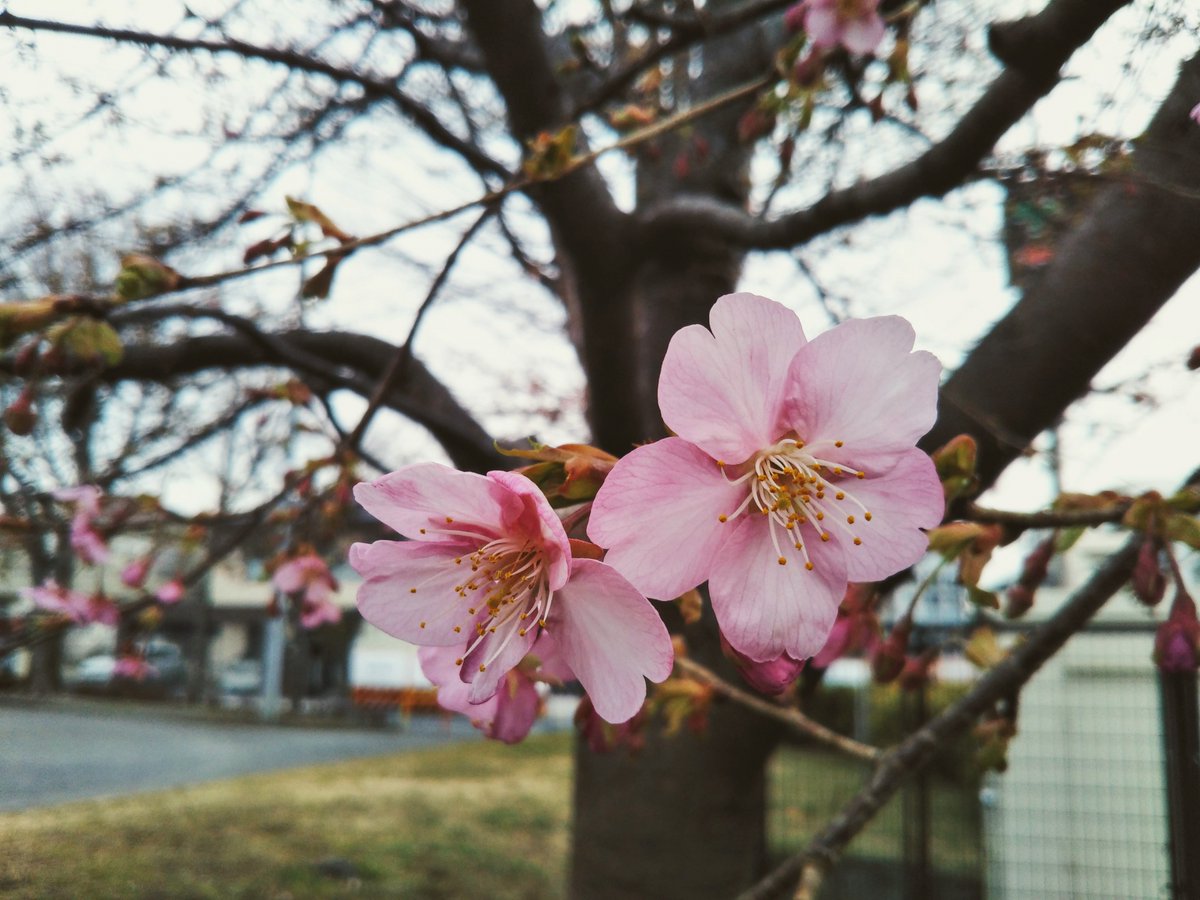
1181,754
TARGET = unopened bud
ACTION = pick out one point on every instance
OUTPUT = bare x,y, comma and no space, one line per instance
1177,643
917,671
21,417
1019,601
888,661
1149,583
755,123
793,19
772,677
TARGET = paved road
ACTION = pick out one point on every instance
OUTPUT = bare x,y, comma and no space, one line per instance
53,755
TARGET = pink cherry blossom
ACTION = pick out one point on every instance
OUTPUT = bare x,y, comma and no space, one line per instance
314,614
309,574
80,607
134,574
794,471
488,568
507,716
133,667
855,24
171,592
89,545
1194,115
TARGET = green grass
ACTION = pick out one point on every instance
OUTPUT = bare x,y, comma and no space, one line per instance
808,786
475,820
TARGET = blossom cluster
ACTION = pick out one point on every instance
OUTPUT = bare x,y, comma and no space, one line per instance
792,471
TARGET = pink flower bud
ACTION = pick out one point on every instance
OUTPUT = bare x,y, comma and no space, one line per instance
772,677
1148,582
21,417
917,671
171,592
134,574
888,661
1177,643
1020,601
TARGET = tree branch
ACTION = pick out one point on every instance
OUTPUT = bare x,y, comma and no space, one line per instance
792,718
423,118
1109,276
342,359
1058,31
917,750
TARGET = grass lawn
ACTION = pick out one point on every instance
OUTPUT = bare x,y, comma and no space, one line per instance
475,820
479,820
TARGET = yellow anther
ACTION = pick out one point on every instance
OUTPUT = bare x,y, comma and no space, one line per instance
542,623
782,561
850,520
824,535
867,516
721,463
458,629
860,474
449,521
422,530
858,542
458,662
412,590
422,624
809,566
837,443
840,495
482,667
722,518
523,632
820,517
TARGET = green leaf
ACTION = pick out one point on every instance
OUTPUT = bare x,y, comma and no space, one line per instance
1067,537
982,598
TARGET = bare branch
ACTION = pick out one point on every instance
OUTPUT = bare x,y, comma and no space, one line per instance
422,117
1058,30
917,750
792,718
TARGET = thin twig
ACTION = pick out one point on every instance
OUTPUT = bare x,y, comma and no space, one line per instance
399,362
794,719
1050,518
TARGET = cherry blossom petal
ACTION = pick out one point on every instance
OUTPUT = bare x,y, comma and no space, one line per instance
822,24
485,666
551,664
657,512
517,706
391,569
424,495
291,576
611,637
765,609
859,383
862,35
539,519
902,502
722,390
441,667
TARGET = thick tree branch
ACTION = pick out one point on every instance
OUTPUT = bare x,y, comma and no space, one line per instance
587,224
1057,31
1108,278
341,359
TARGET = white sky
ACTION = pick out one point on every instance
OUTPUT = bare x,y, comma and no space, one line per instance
494,337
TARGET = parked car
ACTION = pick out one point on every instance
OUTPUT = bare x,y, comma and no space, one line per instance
165,678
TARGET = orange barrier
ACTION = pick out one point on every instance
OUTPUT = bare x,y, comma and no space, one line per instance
407,700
